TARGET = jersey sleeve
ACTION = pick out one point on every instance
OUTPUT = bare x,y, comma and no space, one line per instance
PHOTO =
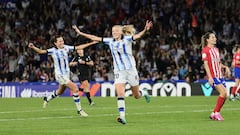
129,38
204,55
50,51
107,40
69,48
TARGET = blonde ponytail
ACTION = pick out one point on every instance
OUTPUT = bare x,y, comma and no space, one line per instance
128,30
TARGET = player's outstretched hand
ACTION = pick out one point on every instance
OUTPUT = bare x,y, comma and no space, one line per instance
30,45
76,28
148,25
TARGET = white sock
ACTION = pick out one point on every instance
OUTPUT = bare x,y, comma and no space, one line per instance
121,106
77,101
52,96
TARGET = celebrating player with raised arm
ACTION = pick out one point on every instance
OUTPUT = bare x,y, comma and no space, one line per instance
125,70
59,54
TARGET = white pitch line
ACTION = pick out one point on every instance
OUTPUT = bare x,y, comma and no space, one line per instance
38,118
107,115
105,108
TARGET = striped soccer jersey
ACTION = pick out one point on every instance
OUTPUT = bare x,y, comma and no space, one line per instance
236,57
121,52
212,56
60,59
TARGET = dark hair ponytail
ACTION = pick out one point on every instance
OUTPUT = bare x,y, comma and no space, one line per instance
204,39
54,39
236,48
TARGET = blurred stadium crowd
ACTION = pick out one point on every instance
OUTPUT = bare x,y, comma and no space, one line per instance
170,51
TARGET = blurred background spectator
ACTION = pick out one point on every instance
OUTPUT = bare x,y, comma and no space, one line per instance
170,51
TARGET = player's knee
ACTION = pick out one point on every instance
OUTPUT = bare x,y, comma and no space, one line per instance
75,89
59,92
137,96
223,94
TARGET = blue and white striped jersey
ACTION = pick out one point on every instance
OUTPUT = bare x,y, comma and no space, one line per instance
60,59
121,52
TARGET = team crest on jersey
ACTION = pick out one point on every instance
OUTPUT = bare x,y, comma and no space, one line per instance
204,55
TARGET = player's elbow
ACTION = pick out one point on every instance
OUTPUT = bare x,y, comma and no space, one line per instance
42,52
95,38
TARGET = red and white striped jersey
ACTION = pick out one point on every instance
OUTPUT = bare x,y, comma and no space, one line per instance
212,56
236,57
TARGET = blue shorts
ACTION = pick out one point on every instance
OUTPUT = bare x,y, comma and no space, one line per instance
218,81
237,73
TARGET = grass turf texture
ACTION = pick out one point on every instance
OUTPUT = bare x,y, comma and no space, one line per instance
163,115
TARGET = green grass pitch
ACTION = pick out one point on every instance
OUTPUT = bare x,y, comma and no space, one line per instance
162,116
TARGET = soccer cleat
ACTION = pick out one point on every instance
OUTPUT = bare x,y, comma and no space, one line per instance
92,104
82,113
218,116
45,102
231,98
146,95
212,116
121,120
237,97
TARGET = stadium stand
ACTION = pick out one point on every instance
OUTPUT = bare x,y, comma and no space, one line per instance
169,52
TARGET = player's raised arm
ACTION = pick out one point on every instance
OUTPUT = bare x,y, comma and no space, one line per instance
89,36
39,51
147,27
82,46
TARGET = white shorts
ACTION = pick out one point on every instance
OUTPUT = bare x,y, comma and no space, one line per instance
127,76
63,79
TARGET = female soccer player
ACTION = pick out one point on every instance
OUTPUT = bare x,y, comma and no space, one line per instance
59,54
236,64
83,63
213,66
125,70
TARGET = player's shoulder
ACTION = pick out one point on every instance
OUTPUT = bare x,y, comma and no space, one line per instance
108,39
67,46
128,37
206,49
205,52
51,49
